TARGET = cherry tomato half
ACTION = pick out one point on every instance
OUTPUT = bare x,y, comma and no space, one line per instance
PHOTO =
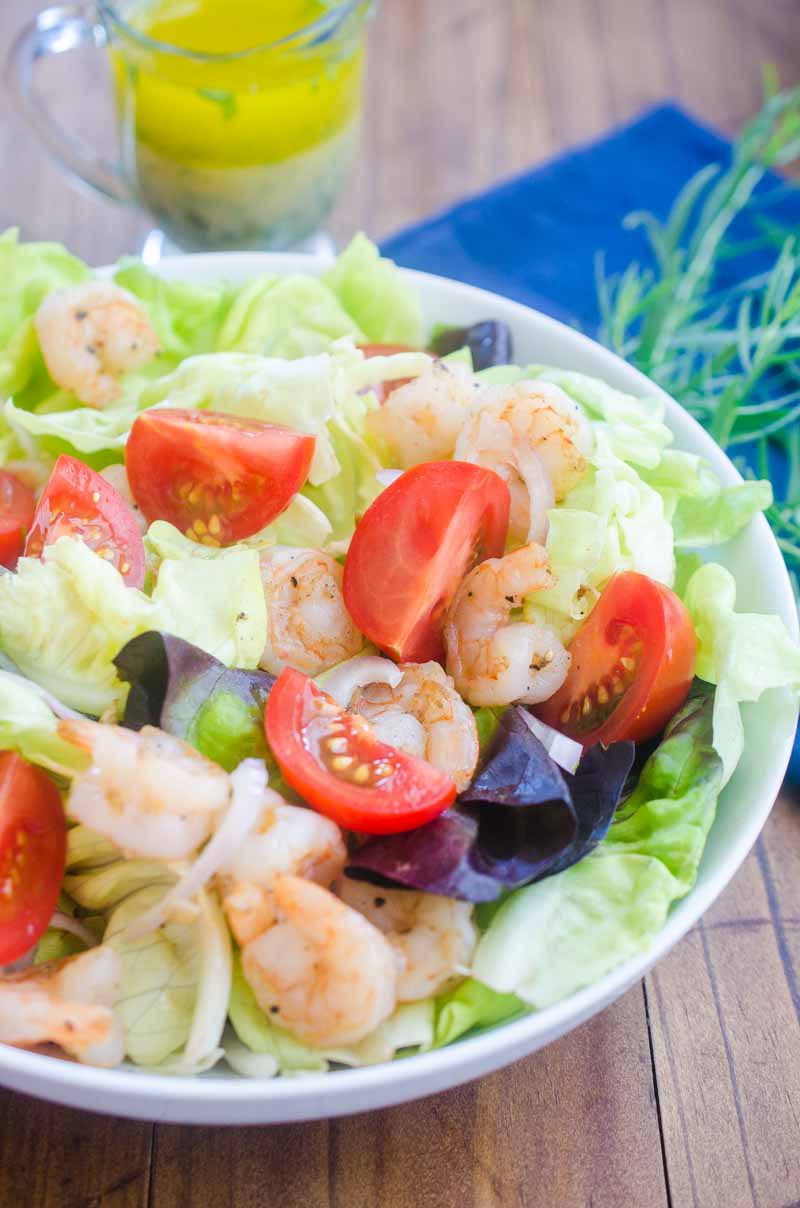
17,505
33,846
218,478
336,764
413,547
632,665
79,503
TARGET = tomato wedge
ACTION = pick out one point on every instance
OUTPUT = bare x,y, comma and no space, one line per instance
79,503
413,547
632,665
336,764
218,478
17,505
33,847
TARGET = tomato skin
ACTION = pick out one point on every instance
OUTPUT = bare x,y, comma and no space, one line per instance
33,848
77,502
400,792
17,505
412,548
639,646
218,478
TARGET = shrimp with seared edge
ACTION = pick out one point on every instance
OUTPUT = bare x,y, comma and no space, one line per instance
493,660
67,1002
322,970
308,626
537,438
424,716
90,334
149,793
287,839
420,421
433,936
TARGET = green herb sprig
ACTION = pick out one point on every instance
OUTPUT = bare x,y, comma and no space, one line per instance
731,356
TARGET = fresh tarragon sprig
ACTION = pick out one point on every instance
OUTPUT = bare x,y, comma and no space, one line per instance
731,356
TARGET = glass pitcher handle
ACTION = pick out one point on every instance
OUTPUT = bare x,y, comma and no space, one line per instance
54,31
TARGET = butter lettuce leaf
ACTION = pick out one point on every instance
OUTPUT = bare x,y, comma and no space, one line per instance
743,654
372,290
187,316
292,316
63,619
28,725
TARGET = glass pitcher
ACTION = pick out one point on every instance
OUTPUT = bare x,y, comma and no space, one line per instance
246,145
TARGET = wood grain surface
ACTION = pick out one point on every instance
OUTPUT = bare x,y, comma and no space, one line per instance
687,1090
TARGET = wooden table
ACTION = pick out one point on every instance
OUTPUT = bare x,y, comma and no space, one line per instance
687,1090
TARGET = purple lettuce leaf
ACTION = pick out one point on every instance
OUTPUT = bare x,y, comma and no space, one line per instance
521,819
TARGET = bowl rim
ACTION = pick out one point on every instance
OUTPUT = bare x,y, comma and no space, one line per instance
322,1093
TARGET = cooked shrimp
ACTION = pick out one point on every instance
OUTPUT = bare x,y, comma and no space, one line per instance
537,438
424,716
67,1002
149,793
434,936
90,334
492,660
287,839
309,627
323,970
420,421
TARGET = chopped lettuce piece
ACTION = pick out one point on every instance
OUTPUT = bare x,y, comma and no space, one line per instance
186,314
28,273
291,317
160,973
28,725
744,654
373,292
219,607
81,430
472,1005
717,517
63,619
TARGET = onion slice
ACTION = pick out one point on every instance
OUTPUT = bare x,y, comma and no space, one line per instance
562,750
341,682
387,477
52,701
248,786
65,922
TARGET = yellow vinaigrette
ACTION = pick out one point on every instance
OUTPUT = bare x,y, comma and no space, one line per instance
213,140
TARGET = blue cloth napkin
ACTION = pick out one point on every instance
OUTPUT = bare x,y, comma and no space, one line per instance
534,237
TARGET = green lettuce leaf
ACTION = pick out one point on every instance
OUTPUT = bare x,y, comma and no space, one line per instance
28,725
744,654
158,986
63,619
560,934
373,292
188,316
291,317
472,1005
28,273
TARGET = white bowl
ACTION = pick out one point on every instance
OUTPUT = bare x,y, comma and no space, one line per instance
222,1098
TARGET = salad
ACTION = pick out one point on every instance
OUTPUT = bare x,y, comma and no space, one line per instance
359,688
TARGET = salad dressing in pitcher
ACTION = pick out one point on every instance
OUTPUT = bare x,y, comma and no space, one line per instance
255,138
